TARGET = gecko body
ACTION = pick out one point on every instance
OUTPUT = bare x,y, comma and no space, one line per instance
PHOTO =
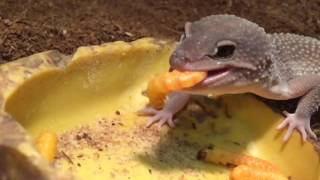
240,57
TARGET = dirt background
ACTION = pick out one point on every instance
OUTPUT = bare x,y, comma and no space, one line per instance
30,26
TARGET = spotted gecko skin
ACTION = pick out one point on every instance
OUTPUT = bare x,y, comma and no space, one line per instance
240,57
296,55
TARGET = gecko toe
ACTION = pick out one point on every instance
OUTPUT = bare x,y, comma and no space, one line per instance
153,120
311,133
166,118
286,113
303,133
162,122
171,123
289,133
161,117
294,122
283,125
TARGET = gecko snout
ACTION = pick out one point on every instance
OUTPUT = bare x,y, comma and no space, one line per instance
177,62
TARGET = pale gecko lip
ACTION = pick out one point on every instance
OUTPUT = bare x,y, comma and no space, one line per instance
215,75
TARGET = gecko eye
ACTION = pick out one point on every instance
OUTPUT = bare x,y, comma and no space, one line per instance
224,49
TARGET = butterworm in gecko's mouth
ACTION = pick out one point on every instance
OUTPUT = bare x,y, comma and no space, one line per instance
214,78
217,72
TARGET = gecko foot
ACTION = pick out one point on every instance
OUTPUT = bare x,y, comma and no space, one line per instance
160,116
301,124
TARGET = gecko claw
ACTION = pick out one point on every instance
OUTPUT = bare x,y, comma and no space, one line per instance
300,124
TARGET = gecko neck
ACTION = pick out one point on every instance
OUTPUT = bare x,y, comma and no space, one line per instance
271,78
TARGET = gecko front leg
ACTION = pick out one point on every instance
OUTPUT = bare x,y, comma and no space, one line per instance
176,101
300,120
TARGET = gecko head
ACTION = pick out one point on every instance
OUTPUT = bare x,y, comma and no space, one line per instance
235,52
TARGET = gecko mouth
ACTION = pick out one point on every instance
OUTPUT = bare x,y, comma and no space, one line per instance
216,75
